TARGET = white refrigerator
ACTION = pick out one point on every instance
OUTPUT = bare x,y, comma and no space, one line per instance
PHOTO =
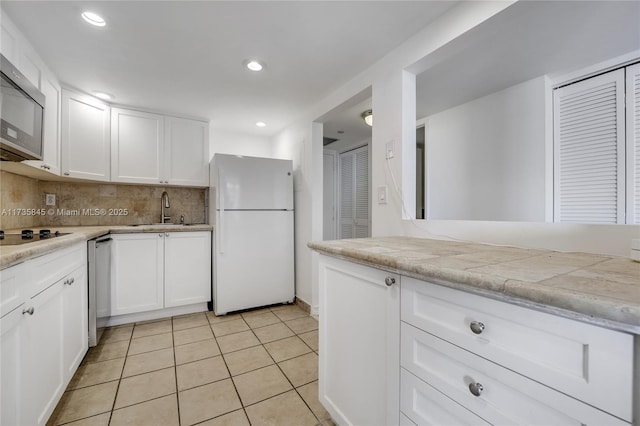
251,206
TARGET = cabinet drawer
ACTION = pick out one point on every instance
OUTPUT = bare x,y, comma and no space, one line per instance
51,267
424,405
505,397
582,362
14,288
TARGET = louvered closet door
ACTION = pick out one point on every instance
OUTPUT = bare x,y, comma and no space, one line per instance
633,144
354,193
589,150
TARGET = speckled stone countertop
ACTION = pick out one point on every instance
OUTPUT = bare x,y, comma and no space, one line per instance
593,288
11,255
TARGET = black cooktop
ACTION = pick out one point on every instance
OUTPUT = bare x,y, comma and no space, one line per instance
27,236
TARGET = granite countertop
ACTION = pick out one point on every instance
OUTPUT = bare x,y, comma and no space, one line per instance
11,255
595,288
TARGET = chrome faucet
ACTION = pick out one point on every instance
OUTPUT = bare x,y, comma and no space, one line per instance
164,202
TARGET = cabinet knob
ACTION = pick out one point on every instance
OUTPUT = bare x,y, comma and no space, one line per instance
29,311
166,234
389,281
69,281
66,173
476,327
161,235
475,388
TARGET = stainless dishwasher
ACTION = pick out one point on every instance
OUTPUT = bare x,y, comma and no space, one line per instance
99,257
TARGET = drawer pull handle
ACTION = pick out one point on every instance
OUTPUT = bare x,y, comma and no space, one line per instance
29,311
389,281
475,388
476,327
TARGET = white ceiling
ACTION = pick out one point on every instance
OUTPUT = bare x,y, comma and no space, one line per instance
186,57
526,40
347,119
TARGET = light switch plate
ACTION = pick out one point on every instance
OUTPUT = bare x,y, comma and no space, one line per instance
382,195
50,199
389,150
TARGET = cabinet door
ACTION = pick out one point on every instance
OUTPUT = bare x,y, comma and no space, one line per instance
137,140
43,382
85,137
136,273
50,87
187,268
75,321
12,367
186,152
359,343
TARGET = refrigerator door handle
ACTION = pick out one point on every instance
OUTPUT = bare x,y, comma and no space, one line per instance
220,224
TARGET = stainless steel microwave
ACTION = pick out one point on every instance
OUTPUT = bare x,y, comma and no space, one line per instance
21,116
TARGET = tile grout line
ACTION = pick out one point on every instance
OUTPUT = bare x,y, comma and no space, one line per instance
233,383
115,397
215,338
287,377
175,370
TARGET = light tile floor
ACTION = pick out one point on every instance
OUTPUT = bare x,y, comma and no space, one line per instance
258,367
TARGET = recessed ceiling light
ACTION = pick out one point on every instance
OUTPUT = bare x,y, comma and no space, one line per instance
254,66
261,124
104,96
93,19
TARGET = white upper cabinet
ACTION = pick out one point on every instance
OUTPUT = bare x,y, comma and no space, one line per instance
19,52
85,137
155,149
137,140
186,158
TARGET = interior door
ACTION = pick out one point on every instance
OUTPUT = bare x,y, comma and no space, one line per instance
354,204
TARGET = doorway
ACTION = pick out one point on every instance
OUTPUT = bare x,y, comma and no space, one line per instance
354,201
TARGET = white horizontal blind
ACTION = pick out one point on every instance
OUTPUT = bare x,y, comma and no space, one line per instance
354,194
633,144
589,150
361,216
346,203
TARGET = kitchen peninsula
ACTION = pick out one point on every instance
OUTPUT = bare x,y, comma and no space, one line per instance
476,334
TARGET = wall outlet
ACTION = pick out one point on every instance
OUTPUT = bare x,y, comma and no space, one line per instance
382,195
389,151
50,199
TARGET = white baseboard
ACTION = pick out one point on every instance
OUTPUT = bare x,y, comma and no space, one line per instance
151,315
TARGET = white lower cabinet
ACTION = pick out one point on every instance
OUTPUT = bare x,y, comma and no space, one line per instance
44,338
136,273
12,368
417,353
44,381
359,340
507,364
152,271
187,268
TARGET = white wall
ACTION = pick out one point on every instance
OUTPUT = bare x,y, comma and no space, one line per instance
486,158
302,139
296,143
225,142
